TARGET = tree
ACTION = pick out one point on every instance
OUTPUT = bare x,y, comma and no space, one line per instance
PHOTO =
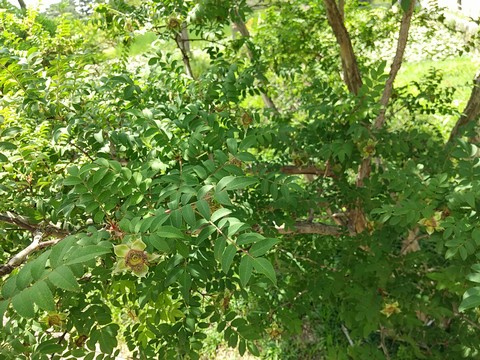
248,184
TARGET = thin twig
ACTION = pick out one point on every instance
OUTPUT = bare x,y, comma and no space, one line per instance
182,41
82,151
347,335
382,343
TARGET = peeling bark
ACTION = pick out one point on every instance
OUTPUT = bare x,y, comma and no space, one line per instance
351,72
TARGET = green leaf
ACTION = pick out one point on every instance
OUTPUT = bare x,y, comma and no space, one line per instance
72,180
137,177
476,236
227,257
107,338
49,347
252,348
6,145
203,208
145,224
405,4
170,232
242,347
24,276
63,278
469,303
60,249
9,287
249,238
241,182
474,277
23,304
223,183
245,269
189,215
99,175
261,247
86,253
245,156
159,243
185,280
218,214
222,198
42,296
219,248
173,275
3,308
232,145
265,267
234,227
205,233
38,265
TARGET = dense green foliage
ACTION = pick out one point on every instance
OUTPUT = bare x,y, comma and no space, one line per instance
169,162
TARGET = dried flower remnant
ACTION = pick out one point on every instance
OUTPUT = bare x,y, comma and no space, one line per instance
54,319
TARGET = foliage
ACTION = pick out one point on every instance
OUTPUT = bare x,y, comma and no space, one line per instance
183,178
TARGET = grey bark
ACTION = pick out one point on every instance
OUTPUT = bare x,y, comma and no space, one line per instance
471,112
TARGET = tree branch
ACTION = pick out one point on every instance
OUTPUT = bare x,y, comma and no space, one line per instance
22,4
365,166
19,258
351,72
397,63
471,112
38,232
306,170
306,227
183,43
240,26
18,220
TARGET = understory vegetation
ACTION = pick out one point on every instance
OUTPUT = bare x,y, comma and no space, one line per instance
283,179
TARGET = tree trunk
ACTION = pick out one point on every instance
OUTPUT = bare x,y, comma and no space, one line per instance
471,112
351,73
22,4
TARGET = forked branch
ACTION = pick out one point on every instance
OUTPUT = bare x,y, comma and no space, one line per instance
39,232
